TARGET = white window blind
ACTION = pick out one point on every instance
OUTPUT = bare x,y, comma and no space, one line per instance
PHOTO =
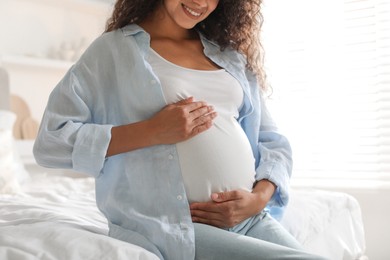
328,62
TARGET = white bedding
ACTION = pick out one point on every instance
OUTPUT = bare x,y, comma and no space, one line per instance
55,217
326,223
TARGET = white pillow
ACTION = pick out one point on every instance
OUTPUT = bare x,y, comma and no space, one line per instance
12,171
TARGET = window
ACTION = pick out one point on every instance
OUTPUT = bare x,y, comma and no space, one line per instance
329,65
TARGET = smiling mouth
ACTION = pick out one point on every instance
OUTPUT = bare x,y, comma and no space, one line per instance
191,11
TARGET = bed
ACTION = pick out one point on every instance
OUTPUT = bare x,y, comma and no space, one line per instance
51,214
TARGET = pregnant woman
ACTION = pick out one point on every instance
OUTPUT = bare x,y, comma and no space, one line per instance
165,110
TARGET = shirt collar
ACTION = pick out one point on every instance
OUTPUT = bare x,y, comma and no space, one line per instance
132,29
140,35
211,49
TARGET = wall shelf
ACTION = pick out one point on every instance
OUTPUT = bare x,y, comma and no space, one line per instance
34,62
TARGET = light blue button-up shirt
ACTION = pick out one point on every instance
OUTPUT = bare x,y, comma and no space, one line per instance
141,192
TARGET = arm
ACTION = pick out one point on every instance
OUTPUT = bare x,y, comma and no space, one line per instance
71,136
275,162
175,123
67,136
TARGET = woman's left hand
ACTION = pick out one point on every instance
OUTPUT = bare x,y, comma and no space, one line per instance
227,209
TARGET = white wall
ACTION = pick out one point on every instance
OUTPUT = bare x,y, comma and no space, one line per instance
35,27
41,39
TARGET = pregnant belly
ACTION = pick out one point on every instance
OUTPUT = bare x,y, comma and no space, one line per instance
219,159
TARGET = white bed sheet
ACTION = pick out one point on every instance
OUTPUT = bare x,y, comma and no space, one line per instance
326,223
56,218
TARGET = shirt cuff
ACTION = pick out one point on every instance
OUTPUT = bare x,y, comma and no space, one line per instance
276,173
90,148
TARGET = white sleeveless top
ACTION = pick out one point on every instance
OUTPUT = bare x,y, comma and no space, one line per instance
219,159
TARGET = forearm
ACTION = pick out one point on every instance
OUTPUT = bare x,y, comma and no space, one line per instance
130,137
174,123
264,190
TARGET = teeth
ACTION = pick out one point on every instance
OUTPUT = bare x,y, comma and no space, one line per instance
191,11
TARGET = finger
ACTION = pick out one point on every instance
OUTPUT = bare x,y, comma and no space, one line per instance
201,112
205,206
211,222
185,101
204,119
226,196
201,128
193,106
206,215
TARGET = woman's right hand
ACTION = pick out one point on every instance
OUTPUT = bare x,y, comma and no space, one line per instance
174,123
182,120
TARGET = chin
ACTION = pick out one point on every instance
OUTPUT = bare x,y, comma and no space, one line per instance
188,26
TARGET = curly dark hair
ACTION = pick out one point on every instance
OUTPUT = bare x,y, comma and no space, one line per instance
234,23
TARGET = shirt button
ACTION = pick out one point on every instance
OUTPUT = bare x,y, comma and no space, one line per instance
184,226
153,81
179,197
170,157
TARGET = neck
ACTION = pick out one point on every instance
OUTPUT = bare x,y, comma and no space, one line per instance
160,25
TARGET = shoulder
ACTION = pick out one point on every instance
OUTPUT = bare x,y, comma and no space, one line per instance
128,40
226,57
111,50
108,44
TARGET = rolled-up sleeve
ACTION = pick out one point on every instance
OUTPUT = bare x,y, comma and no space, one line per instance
275,158
68,137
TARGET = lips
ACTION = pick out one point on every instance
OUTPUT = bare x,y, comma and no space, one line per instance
191,11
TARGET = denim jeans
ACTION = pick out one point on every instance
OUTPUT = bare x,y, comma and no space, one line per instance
260,237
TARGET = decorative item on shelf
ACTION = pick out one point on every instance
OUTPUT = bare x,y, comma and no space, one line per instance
80,48
38,55
66,51
69,51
